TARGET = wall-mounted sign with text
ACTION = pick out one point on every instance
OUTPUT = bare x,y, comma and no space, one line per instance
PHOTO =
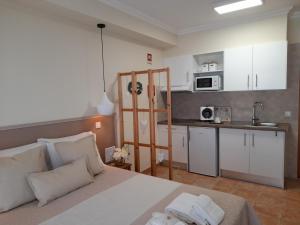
149,58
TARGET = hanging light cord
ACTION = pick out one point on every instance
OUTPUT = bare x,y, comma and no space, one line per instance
102,60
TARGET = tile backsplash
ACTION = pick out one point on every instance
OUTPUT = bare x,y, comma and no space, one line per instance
276,103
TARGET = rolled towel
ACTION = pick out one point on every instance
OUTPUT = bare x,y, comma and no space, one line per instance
207,209
164,219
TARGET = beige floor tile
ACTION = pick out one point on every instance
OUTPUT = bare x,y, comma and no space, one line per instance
250,195
291,211
289,222
267,219
226,185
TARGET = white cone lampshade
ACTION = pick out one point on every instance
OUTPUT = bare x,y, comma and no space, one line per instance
106,107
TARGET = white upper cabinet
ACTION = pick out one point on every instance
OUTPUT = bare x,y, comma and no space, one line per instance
270,66
181,72
258,67
238,69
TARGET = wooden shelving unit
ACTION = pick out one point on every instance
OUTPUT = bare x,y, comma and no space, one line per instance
151,110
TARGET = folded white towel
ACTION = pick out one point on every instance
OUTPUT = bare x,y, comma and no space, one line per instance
182,206
196,209
206,208
164,219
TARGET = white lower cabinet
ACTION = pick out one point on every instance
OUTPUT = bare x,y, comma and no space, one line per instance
257,154
203,157
234,151
267,153
179,141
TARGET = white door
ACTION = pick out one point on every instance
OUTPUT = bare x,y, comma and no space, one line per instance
179,142
203,151
267,153
180,70
238,69
234,150
270,66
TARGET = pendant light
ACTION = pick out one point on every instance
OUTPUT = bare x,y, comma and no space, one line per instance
106,107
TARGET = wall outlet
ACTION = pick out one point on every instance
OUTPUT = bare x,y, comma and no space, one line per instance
98,125
161,156
109,154
287,114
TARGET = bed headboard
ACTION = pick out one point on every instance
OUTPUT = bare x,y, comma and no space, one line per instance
14,136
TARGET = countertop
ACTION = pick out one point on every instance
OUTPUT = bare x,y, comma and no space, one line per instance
233,124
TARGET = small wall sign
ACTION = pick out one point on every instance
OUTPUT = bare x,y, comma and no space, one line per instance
149,58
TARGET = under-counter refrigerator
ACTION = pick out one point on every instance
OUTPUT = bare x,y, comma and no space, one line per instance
203,151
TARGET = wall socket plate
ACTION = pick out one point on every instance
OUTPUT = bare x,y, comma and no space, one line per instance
98,125
287,114
109,153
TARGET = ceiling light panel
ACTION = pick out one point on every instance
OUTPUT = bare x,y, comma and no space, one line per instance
239,5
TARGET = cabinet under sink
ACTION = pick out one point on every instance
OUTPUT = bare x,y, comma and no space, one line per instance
252,155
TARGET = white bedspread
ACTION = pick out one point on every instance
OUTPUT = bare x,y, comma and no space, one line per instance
119,205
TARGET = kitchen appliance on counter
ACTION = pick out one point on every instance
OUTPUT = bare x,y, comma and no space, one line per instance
203,151
207,113
208,83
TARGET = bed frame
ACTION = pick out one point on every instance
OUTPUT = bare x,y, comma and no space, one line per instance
14,136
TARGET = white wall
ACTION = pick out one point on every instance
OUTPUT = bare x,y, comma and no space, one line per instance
273,29
50,67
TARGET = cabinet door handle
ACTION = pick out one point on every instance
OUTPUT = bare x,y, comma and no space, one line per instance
256,80
248,81
187,77
183,141
245,139
253,141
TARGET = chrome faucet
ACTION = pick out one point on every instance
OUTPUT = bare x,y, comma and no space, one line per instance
255,119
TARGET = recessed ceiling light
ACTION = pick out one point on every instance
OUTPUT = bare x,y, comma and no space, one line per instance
235,6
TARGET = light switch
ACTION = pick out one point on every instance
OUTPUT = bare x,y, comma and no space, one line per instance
98,125
287,114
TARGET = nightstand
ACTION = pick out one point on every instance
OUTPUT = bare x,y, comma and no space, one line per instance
125,166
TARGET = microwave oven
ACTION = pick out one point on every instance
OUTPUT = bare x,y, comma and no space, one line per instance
208,83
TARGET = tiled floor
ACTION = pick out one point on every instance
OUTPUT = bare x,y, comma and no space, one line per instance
273,205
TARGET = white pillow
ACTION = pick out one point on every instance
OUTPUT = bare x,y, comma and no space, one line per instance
55,159
20,149
53,184
14,188
69,151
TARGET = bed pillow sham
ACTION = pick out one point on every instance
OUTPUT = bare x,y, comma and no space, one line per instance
55,160
85,147
14,188
53,184
21,149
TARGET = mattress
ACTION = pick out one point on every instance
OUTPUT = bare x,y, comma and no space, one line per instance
121,197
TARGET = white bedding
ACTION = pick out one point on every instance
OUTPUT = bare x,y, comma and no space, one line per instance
120,204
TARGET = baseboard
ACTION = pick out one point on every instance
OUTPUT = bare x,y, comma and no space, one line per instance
165,163
176,165
253,178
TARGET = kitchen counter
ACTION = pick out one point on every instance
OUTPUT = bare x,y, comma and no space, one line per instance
233,124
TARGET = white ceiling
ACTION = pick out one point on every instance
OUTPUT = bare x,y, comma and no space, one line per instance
186,16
